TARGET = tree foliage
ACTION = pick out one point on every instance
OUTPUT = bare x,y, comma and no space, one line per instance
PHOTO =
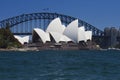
7,39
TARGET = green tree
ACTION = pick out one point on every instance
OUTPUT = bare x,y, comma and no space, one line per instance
7,39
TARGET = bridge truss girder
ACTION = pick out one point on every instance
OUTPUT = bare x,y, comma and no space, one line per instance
49,16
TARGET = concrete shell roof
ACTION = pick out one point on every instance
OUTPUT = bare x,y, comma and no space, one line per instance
71,30
43,35
55,26
59,37
81,34
88,35
22,40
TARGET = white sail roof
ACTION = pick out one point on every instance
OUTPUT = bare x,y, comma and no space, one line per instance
43,35
55,26
26,38
65,39
81,34
47,36
82,28
63,28
71,30
23,39
59,37
61,33
19,39
88,35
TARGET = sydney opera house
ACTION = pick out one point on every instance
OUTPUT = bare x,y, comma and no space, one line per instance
59,34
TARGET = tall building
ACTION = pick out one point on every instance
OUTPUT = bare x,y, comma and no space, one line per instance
111,35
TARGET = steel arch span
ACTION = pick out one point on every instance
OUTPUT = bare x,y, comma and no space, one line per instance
14,21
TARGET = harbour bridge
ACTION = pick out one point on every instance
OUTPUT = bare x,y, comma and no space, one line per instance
24,24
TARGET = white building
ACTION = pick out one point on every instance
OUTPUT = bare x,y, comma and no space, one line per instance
23,39
71,31
43,36
81,34
55,26
59,37
59,33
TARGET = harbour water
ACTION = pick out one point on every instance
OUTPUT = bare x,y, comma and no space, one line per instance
60,65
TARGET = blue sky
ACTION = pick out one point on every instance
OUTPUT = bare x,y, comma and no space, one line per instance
99,13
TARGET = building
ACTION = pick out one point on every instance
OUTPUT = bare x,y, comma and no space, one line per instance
22,39
56,32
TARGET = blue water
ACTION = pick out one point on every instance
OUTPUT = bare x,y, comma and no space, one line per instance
60,65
